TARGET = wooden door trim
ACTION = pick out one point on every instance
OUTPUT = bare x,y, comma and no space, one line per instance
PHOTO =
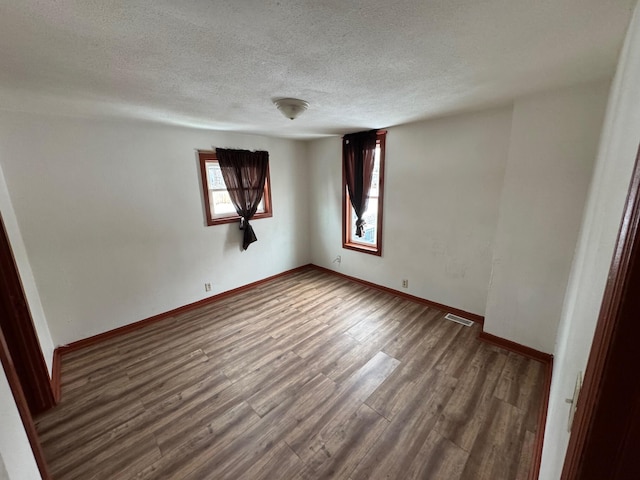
611,315
20,333
23,408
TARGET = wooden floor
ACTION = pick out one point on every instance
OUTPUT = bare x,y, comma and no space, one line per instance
308,376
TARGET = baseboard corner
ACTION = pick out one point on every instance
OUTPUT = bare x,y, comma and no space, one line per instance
547,361
515,347
479,319
56,368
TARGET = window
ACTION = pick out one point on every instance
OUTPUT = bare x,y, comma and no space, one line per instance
217,202
371,242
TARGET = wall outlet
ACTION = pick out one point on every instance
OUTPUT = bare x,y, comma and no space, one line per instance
207,287
405,283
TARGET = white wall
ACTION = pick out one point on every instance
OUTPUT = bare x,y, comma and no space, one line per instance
26,275
4,475
16,458
111,214
15,450
454,219
554,142
442,190
603,215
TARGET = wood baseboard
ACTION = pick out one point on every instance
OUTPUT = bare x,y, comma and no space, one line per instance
516,347
445,308
547,360
85,342
542,422
56,368
63,349
486,337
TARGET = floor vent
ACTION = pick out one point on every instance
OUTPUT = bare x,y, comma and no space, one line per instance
457,319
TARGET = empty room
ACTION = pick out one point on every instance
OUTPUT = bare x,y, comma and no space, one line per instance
302,240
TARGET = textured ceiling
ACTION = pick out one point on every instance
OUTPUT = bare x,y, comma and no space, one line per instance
360,64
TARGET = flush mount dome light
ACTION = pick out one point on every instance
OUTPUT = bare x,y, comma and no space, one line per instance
291,107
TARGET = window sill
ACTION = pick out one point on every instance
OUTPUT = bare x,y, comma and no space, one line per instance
235,219
358,247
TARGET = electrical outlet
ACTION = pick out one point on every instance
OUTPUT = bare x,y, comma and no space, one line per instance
405,283
207,287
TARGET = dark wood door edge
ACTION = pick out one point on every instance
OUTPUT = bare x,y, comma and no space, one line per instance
20,333
610,317
23,408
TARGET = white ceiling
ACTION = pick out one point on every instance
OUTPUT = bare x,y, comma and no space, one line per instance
360,64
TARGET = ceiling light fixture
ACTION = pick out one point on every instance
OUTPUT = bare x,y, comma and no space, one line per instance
291,107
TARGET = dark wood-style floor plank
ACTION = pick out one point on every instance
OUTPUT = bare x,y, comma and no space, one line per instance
306,377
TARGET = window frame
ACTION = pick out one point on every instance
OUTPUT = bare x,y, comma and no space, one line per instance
206,157
347,208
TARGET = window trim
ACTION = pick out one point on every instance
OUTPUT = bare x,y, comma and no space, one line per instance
209,156
346,206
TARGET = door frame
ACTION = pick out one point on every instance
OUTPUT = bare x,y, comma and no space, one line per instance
20,333
607,408
12,288
23,408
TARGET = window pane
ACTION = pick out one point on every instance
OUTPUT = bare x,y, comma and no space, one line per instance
218,206
221,203
370,218
375,178
216,181
371,241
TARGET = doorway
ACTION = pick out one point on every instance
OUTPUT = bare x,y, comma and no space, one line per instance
605,440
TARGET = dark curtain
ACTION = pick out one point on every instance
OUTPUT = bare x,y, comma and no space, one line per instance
358,155
244,174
